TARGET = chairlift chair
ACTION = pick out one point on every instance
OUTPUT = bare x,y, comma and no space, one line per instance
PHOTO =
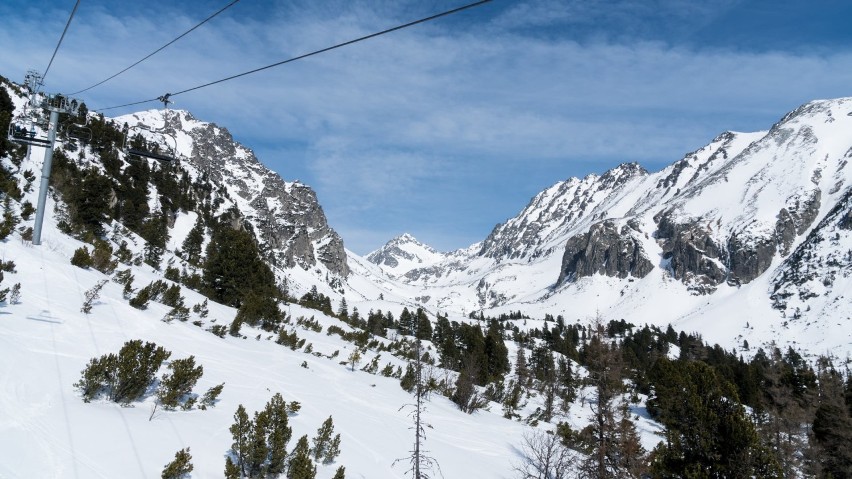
171,157
79,132
22,131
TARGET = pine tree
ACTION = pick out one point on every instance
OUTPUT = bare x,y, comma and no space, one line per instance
300,464
340,473
184,375
605,373
125,376
464,394
92,295
521,369
232,471
14,294
406,322
343,310
326,446
9,219
496,353
259,309
424,326
82,258
233,268
155,231
785,413
257,446
192,243
180,467
241,433
279,434
102,257
355,358
89,202
211,396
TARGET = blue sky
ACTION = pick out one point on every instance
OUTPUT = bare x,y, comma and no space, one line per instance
448,128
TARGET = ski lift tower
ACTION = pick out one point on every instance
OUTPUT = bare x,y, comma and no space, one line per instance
55,104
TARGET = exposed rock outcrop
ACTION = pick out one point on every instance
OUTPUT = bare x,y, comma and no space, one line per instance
605,250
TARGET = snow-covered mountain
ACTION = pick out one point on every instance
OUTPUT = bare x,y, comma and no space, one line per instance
751,229
404,253
290,224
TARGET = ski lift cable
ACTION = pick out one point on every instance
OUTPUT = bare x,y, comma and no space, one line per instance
160,49
306,55
55,50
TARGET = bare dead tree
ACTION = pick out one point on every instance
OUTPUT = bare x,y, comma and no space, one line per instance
421,464
543,456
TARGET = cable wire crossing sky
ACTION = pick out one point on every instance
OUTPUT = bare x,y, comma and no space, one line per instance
445,129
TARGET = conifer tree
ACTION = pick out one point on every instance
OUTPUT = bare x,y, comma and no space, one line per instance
355,358
233,268
406,322
259,309
279,434
300,465
257,445
232,471
192,243
605,372
785,413
180,467
241,433
92,295
340,473
521,370
155,231
124,377
326,446
102,257
211,396
9,219
184,375
82,258
89,202
343,310
424,326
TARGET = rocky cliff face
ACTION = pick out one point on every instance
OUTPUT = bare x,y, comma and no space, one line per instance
605,249
818,273
286,217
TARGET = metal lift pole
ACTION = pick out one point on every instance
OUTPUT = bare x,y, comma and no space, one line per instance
45,174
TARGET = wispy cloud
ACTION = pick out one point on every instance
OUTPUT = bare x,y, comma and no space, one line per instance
423,114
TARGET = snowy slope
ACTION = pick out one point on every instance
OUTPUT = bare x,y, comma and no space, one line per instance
48,431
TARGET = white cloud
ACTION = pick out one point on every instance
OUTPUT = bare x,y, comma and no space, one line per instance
436,103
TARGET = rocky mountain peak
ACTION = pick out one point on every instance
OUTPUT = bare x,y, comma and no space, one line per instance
286,217
554,211
403,254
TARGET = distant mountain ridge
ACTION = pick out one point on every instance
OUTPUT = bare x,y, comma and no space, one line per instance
768,210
